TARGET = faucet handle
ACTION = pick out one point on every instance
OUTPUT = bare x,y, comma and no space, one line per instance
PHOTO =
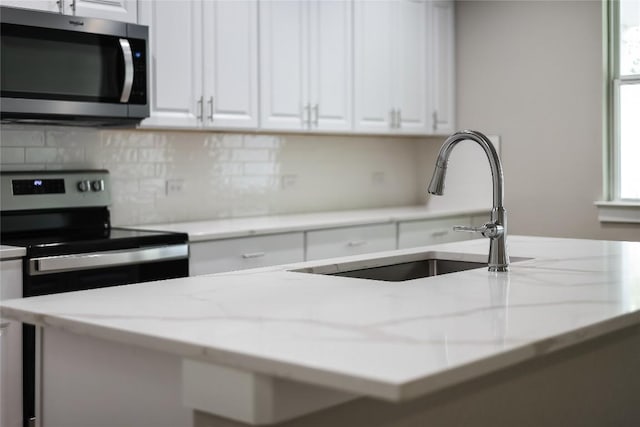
490,229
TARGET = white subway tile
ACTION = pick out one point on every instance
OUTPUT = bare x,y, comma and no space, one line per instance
19,137
72,137
228,168
23,167
11,155
260,168
261,141
231,141
147,155
41,154
246,155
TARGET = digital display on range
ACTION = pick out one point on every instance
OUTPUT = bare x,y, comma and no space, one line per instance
23,187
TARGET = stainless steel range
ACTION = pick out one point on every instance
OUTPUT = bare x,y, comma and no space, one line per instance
62,219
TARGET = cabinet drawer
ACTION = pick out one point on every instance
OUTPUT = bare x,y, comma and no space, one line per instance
431,232
346,241
216,256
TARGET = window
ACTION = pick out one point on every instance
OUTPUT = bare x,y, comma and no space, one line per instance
623,112
627,108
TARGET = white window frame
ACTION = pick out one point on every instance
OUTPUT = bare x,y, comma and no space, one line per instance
613,208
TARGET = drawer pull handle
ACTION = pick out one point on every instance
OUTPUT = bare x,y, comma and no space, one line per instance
439,233
253,255
355,243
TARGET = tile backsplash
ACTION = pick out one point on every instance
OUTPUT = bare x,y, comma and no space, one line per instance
160,176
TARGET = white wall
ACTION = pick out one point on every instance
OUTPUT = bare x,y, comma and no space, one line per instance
531,72
224,175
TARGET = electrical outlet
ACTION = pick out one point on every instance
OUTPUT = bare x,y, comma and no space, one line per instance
174,186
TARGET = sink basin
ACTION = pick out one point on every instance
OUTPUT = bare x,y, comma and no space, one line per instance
412,270
405,267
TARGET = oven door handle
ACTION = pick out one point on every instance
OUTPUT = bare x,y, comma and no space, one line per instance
84,261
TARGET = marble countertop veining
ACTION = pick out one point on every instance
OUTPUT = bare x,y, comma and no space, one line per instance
390,340
250,226
8,252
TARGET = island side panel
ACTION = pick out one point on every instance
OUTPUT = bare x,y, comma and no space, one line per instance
92,382
595,383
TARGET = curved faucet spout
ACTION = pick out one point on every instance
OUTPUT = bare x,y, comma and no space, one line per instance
496,229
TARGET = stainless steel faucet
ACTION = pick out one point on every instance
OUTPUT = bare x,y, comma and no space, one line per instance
496,229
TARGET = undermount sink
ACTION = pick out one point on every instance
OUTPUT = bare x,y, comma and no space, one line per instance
404,267
412,270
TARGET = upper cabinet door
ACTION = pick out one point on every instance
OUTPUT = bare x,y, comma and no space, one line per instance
44,5
118,10
412,100
391,66
175,39
373,29
231,63
305,65
284,65
443,69
331,73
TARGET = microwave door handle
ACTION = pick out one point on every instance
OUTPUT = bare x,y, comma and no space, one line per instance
128,70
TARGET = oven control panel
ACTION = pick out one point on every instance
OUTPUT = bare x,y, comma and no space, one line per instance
24,190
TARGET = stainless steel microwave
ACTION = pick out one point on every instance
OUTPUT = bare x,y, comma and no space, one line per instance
72,70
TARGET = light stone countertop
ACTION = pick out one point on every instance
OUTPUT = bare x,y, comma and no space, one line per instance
250,226
8,252
388,340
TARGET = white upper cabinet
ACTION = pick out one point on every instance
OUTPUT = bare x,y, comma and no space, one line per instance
373,65
231,64
413,99
118,10
330,71
175,80
283,65
44,5
443,59
204,69
392,66
305,65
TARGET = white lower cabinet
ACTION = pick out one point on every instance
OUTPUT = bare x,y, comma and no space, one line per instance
216,256
10,348
347,241
432,231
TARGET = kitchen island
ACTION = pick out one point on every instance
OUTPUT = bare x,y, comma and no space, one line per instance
556,340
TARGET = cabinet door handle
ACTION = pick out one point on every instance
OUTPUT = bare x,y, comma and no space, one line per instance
392,118
60,4
200,108
316,113
253,255
210,102
398,118
356,243
73,6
